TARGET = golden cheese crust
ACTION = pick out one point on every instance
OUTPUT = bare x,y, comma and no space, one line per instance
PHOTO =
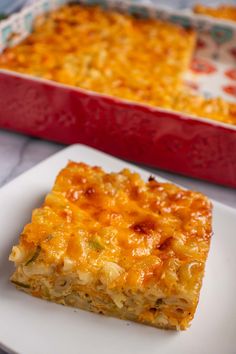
117,53
112,243
140,60
227,12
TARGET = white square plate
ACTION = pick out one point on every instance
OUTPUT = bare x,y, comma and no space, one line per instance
31,326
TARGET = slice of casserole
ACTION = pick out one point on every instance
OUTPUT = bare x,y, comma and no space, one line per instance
116,245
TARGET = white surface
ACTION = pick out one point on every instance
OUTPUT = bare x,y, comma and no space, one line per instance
32,326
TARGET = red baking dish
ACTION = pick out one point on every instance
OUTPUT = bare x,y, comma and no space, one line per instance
195,147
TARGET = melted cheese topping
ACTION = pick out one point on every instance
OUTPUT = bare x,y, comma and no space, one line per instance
117,54
116,228
227,12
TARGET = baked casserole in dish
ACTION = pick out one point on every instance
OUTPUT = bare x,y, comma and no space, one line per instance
140,60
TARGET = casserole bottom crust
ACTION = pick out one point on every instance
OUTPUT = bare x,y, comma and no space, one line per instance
151,308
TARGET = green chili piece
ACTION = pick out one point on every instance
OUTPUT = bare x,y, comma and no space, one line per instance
96,245
35,256
18,283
